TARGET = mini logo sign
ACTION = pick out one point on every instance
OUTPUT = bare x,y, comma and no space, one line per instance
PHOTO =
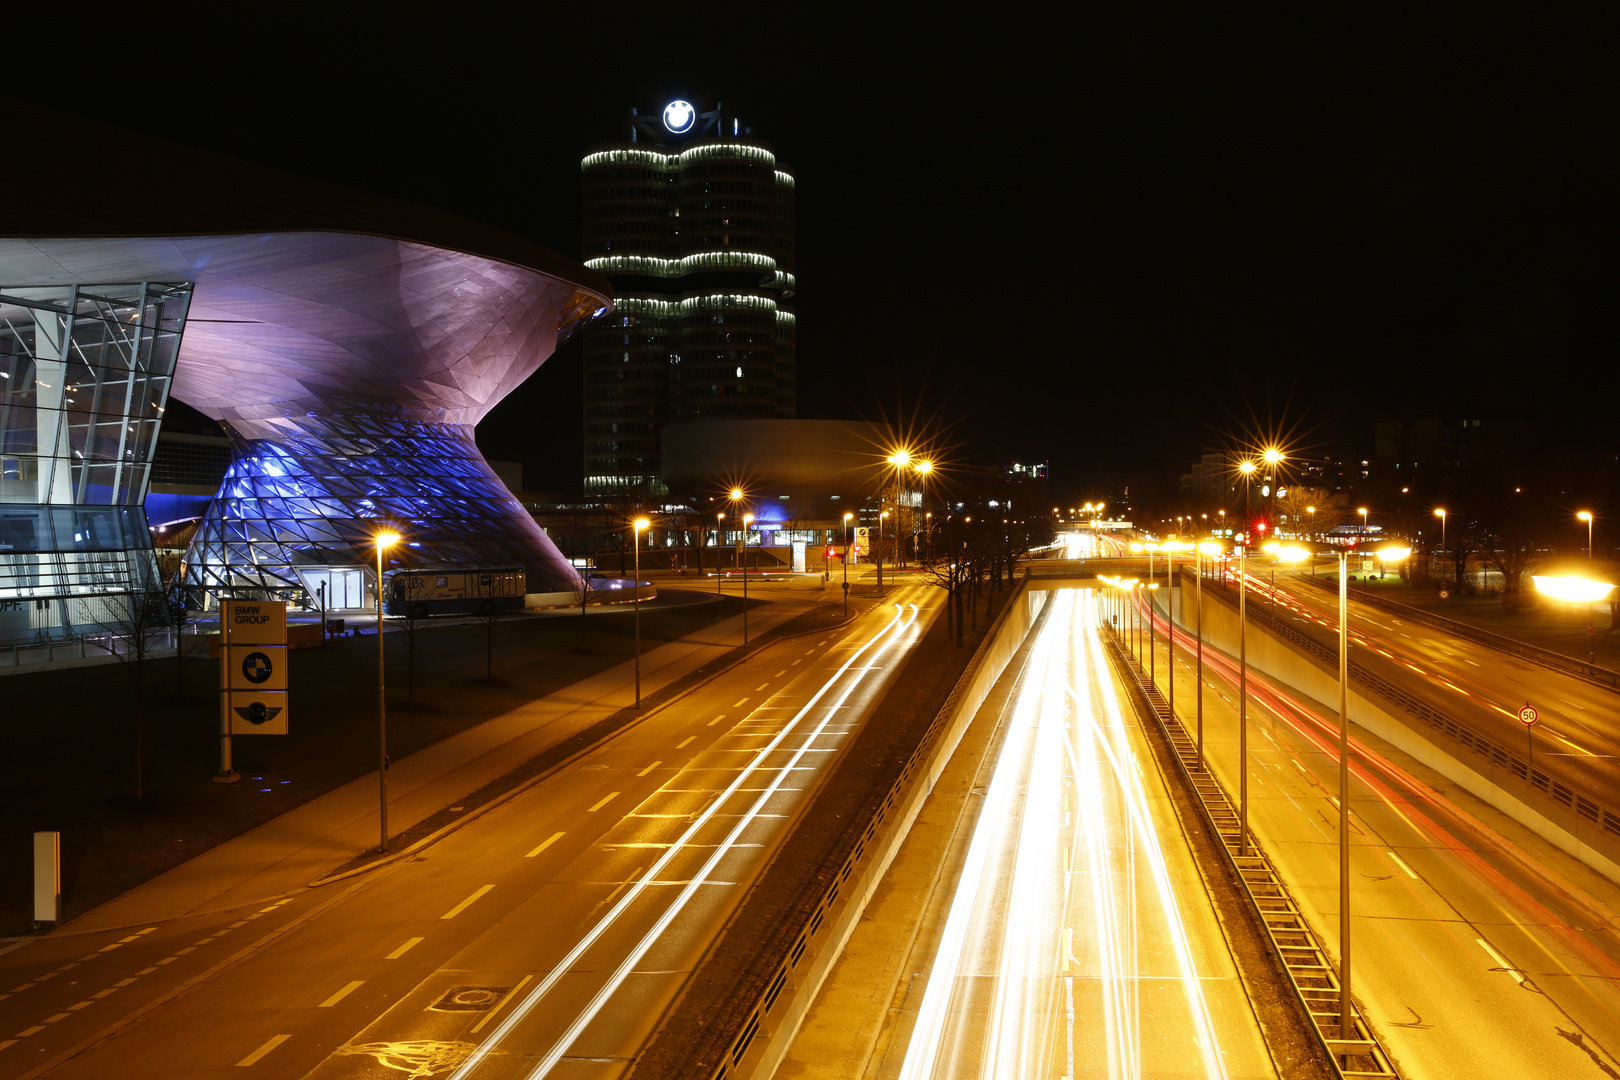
679,116
258,713
1528,715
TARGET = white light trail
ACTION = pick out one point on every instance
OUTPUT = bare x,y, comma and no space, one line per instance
1016,919
892,632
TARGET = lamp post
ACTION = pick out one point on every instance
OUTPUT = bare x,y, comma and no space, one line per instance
384,540
1441,514
1211,549
1243,696
719,544
642,523
1170,547
1346,1024
882,517
1586,516
847,547
748,521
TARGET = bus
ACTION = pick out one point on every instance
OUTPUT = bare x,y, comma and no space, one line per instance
453,590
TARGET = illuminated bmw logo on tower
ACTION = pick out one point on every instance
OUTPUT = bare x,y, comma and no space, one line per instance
678,116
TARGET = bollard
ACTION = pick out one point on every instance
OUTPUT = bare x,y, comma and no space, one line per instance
47,878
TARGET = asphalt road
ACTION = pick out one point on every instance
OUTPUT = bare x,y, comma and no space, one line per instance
1577,735
545,938
1478,950
1079,940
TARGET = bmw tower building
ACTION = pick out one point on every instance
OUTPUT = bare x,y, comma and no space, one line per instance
691,220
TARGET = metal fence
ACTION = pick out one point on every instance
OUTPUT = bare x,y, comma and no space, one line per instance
19,654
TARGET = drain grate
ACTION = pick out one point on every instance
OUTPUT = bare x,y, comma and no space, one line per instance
470,998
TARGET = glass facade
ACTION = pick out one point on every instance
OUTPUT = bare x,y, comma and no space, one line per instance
85,373
312,498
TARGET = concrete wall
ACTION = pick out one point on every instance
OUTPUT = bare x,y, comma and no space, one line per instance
1479,776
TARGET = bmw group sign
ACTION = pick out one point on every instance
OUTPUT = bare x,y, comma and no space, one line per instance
679,116
253,673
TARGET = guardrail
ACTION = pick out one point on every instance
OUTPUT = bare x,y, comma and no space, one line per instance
1606,818
1569,665
106,646
1292,942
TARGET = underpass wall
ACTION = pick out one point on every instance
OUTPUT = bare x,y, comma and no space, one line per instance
1480,776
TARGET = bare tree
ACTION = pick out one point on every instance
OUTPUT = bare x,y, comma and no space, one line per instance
583,591
490,588
413,590
138,623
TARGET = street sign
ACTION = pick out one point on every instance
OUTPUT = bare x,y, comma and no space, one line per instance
254,622
256,712
258,667
1445,594
1589,631
1528,715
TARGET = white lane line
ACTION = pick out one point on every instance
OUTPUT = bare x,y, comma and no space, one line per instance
253,1058
717,719
547,842
761,686
587,940
465,904
341,994
1403,866
795,663
685,742
611,796
1500,960
655,764
779,674
412,943
740,703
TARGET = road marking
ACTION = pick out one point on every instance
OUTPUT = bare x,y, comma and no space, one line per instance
800,660
1403,866
715,721
253,1058
510,994
54,1019
682,744
611,796
465,904
104,993
125,982
547,842
24,986
167,960
655,764
617,889
812,652
341,994
740,703
35,1030
7,1043
146,971
1500,959
80,1005
412,943
779,674
761,686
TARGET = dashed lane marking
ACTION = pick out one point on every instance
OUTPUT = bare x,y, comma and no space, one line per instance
467,903
610,797
547,842
655,764
341,994
685,742
715,721
740,702
1500,960
1403,866
271,1044
761,686
412,943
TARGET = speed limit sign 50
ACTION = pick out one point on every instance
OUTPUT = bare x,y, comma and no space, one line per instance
1528,715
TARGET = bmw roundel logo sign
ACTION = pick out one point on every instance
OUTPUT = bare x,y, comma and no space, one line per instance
256,667
679,116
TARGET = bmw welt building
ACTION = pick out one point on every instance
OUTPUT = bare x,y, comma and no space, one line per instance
347,344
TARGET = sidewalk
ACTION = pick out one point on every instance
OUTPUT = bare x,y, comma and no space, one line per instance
305,843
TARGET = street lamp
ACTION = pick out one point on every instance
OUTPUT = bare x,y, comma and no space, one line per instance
1211,549
1170,547
383,540
1441,514
1390,552
642,523
1586,516
1576,590
748,521
719,544
1247,469
882,517
847,545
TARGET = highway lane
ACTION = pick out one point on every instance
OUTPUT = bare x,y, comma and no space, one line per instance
1479,952
1079,940
1577,736
427,961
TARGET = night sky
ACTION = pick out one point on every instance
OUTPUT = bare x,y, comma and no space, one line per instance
1116,244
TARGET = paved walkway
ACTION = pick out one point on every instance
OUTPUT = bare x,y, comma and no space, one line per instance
324,833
